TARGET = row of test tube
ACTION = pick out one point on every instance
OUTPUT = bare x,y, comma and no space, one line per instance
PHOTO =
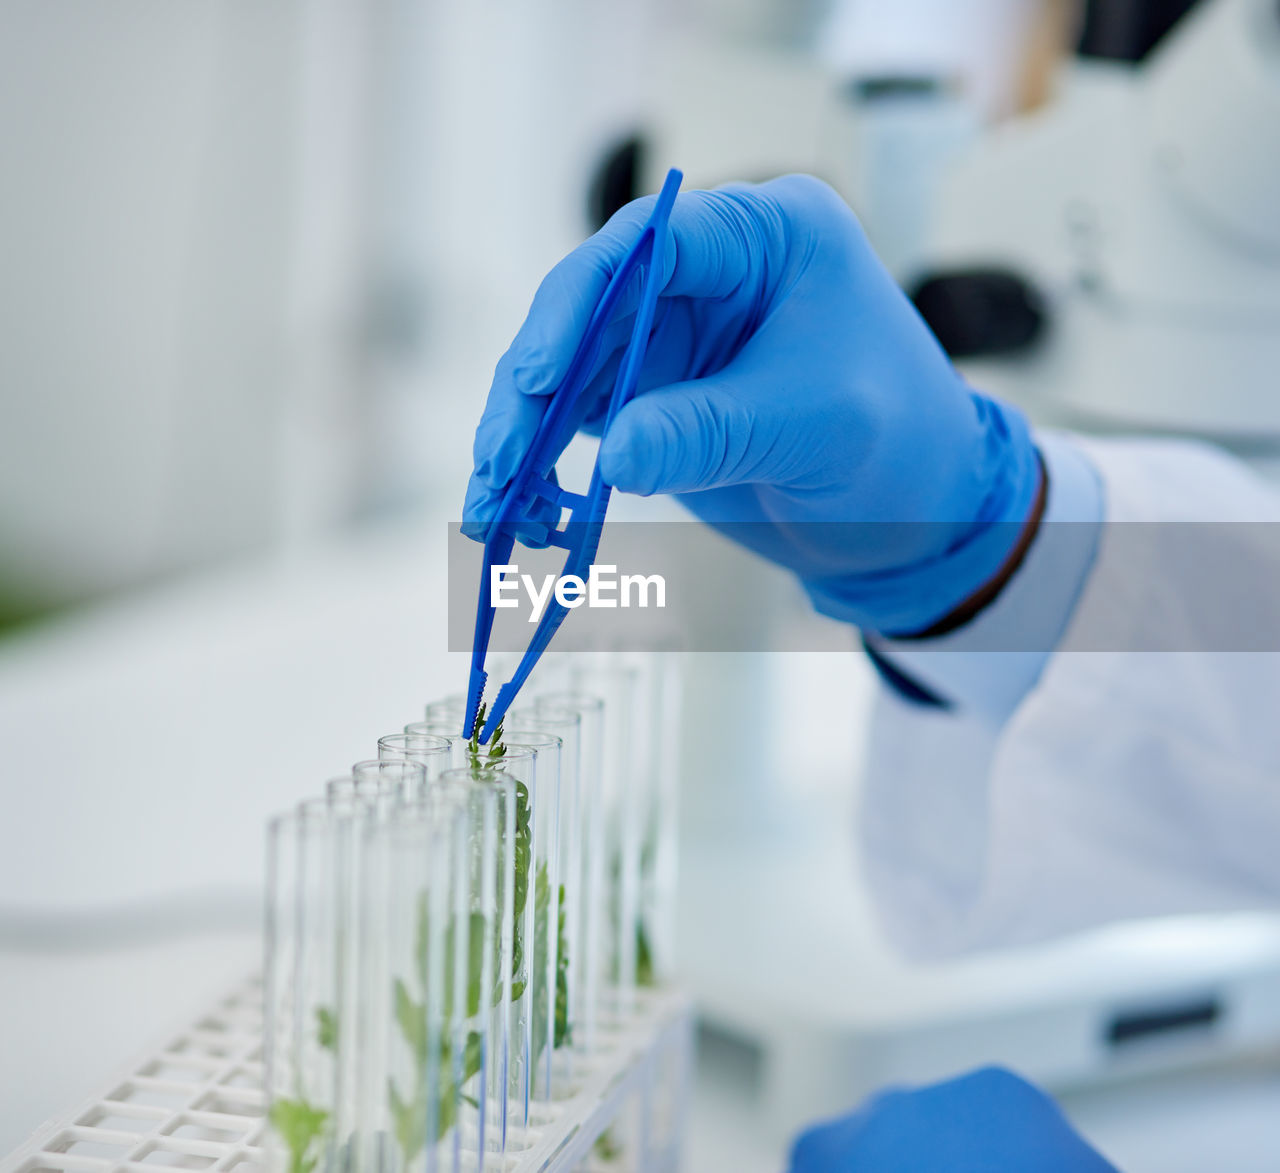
455,932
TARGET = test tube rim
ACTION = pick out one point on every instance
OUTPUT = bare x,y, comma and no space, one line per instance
470,776
547,739
442,747
550,715
381,765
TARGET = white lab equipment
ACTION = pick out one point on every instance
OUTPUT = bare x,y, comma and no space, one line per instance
980,44
1140,209
750,111
874,96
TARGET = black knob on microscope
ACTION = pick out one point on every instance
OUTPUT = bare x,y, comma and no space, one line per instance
979,312
1128,30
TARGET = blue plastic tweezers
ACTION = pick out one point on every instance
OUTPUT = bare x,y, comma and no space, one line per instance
579,533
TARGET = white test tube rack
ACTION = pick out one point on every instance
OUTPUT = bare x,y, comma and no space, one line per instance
197,1102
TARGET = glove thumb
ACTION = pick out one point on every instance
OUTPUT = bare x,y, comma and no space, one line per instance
687,437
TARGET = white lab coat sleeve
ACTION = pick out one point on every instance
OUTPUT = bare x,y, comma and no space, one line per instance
1026,622
1140,774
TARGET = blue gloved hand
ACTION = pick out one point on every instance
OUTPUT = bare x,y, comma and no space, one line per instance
990,1121
791,396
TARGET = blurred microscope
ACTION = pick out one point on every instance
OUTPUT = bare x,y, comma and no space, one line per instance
1110,258
1114,260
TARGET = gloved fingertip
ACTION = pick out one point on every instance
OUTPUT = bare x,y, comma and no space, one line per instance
645,447
533,375
487,445
627,460
811,1151
478,509
499,447
484,473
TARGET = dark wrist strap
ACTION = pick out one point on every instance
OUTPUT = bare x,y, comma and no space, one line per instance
987,594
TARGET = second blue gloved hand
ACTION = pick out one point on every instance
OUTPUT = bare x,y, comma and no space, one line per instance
989,1121
791,396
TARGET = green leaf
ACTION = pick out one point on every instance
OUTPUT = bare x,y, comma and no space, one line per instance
542,892
412,1019
447,1096
471,1054
326,1028
563,1028
476,926
422,939
520,889
607,1147
481,757
448,1114
645,975
560,1029
299,1125
409,1119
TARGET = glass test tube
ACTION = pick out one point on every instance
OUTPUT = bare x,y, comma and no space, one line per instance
668,1100
335,1023
551,674
620,797
448,729
433,753
536,1025
537,950
556,1067
371,793
280,964
472,942
584,869
415,1100
304,961
497,979
661,694
475,952
451,710
653,800
383,783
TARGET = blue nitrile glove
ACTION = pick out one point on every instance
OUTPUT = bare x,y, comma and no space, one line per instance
990,1121
790,395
